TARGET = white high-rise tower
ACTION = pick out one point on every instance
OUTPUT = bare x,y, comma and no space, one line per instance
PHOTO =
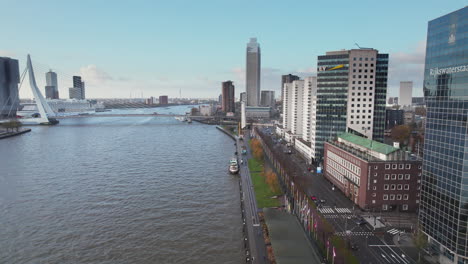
252,73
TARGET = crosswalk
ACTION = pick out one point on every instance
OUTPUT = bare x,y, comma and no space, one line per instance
329,210
343,216
394,231
355,233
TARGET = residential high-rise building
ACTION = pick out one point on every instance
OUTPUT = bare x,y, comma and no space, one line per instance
296,107
252,73
9,79
163,100
289,78
78,89
268,98
443,212
287,106
228,104
406,93
51,85
351,94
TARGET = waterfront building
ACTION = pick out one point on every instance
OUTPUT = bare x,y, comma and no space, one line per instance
51,88
252,72
393,117
163,100
206,110
257,112
351,94
443,211
373,175
228,104
289,78
78,89
149,101
9,79
406,93
268,99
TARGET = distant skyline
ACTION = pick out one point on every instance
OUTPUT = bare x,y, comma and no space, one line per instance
123,48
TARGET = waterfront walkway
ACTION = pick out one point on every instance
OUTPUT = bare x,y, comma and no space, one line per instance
289,243
4,134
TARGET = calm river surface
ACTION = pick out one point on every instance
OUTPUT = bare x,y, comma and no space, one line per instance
119,190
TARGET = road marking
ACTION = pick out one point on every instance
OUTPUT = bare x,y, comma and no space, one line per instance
382,245
326,210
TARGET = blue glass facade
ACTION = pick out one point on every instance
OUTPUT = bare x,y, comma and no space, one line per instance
444,188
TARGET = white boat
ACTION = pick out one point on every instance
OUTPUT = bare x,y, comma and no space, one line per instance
233,166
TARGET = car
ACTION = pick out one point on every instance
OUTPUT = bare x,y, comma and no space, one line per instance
353,246
313,197
322,201
361,221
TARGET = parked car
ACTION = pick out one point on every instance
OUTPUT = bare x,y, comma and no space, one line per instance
313,197
361,221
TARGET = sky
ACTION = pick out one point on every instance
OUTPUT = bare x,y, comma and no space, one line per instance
150,48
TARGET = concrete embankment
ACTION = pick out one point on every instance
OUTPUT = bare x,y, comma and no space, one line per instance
12,134
226,132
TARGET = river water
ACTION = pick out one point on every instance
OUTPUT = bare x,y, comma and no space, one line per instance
119,190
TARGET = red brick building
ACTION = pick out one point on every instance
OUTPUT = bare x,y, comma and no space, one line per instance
373,175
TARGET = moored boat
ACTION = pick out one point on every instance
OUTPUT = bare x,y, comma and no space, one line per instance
233,166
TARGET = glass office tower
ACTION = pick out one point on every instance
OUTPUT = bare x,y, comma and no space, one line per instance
444,189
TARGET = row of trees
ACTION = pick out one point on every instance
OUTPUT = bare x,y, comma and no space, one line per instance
271,179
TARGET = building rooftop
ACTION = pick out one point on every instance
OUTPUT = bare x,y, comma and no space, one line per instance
367,143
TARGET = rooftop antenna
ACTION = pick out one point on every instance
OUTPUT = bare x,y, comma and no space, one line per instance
357,45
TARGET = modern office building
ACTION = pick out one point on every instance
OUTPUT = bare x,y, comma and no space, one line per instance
393,100
394,117
243,97
252,72
406,94
418,101
373,175
268,98
351,94
163,100
257,112
78,89
289,78
228,104
9,79
443,211
51,85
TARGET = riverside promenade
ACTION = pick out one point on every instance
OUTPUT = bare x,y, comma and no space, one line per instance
4,134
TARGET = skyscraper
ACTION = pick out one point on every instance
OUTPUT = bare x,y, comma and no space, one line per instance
406,93
289,78
268,98
51,85
252,73
443,210
9,79
243,97
228,104
78,89
163,100
351,93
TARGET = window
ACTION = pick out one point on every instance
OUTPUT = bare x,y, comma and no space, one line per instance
387,166
387,176
402,166
392,187
400,176
407,176
405,197
394,166
375,181
375,174
373,201
385,187
400,187
405,206
419,167
384,207
408,166
406,186
392,197
374,194
398,197
385,196
393,176
376,167
374,188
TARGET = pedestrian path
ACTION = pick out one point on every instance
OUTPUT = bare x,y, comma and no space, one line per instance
343,210
355,233
394,231
329,210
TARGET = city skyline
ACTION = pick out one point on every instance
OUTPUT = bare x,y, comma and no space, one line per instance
145,61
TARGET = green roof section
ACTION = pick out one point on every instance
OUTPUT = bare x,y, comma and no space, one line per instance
367,143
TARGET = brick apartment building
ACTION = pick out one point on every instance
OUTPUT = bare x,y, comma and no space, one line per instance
373,175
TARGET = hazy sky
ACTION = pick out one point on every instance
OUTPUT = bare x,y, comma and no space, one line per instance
124,48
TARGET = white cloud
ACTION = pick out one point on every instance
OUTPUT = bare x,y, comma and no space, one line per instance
93,75
7,53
